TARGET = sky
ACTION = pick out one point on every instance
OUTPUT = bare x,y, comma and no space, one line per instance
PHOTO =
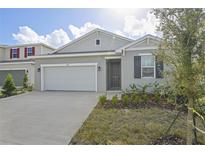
57,27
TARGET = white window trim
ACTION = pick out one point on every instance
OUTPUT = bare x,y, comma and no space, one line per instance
99,44
42,66
153,77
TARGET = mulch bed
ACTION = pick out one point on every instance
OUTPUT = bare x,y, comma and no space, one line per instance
169,140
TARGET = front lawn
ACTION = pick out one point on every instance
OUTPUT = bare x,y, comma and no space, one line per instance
130,126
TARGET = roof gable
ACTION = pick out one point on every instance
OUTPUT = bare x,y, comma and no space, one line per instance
147,41
86,43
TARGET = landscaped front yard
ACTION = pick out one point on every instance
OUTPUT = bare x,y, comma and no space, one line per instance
130,126
137,117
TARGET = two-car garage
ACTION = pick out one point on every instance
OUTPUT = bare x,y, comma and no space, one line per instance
71,77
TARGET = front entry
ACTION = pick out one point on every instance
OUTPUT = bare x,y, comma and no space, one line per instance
114,74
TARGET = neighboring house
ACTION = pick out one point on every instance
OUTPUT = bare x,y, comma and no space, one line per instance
15,59
99,61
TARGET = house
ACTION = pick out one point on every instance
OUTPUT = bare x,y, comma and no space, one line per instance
15,59
99,61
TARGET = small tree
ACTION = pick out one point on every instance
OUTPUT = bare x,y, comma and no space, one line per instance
25,81
183,49
9,87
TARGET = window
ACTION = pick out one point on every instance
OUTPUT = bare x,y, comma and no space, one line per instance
147,66
97,42
30,51
14,53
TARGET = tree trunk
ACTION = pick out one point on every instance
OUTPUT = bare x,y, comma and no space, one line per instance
190,134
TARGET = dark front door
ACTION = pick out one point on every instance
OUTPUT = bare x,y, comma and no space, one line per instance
114,74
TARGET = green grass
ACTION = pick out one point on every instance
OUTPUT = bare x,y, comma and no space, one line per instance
133,126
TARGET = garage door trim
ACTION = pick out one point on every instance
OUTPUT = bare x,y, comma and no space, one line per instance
70,64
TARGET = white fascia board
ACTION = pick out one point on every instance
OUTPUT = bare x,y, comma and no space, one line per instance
142,48
113,57
15,63
8,69
83,64
74,55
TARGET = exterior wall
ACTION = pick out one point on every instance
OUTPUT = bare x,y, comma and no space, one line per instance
107,42
39,49
2,53
46,50
29,67
128,70
100,60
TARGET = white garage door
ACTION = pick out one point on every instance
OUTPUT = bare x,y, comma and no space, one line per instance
73,78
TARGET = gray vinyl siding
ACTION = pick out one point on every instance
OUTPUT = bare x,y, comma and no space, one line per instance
101,75
107,42
2,53
128,70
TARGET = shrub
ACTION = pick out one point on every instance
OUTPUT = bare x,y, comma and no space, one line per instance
102,99
157,91
114,100
25,81
135,98
125,99
134,88
9,87
30,88
144,93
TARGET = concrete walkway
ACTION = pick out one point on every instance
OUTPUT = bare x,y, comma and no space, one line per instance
44,117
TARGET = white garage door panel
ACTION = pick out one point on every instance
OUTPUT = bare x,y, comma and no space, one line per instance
74,78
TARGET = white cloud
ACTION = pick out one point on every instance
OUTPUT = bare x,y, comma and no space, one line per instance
119,32
56,39
138,27
87,27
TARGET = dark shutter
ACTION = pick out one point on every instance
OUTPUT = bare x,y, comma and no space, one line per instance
18,54
10,53
137,67
33,51
159,68
25,52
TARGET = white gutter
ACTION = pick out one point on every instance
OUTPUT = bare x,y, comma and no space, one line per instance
113,57
73,55
142,48
14,63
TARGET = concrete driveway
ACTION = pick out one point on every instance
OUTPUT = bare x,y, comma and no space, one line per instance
44,117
